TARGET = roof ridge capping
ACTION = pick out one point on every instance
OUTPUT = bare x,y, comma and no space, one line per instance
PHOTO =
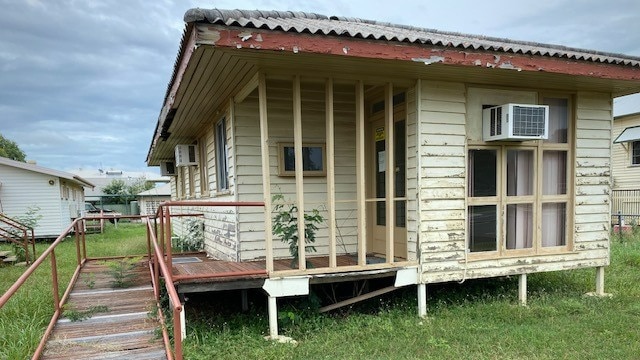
228,17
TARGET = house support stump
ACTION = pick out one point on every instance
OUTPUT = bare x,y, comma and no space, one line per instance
522,289
422,300
600,281
273,317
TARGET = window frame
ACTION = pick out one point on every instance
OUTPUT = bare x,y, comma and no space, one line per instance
538,199
632,155
203,166
221,154
281,159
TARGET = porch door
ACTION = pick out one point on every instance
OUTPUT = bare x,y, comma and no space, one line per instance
376,170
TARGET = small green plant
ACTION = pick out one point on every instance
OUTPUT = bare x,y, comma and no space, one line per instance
285,226
193,240
121,271
90,282
30,219
79,315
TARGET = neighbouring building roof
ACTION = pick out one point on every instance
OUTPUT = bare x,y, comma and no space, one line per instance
162,190
43,170
311,23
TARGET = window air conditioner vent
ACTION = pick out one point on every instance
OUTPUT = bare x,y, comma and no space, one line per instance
186,155
168,168
515,122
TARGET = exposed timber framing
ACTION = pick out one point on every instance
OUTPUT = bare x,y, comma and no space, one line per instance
331,181
360,174
390,170
356,299
297,144
247,89
266,181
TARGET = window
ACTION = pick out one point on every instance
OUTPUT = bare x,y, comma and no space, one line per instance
203,166
635,153
518,192
313,159
222,169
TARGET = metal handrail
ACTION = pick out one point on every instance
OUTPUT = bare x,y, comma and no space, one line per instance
24,240
58,301
158,268
162,261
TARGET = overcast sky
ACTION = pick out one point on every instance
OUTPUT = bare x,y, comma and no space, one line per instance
82,81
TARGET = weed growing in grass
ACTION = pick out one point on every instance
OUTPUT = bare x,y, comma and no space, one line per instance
80,315
122,271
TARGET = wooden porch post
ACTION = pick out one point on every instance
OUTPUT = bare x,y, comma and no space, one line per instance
331,181
390,171
297,144
360,175
266,179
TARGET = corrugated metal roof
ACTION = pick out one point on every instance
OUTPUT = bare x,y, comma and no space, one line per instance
629,134
43,170
311,23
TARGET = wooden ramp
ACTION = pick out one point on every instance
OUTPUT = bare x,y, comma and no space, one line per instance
118,322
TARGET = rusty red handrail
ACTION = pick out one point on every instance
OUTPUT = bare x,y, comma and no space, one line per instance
25,238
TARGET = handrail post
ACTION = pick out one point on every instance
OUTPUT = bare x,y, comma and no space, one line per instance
177,332
25,244
54,284
84,239
160,234
77,230
168,244
33,245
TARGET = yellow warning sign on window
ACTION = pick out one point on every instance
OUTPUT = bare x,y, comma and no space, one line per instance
380,133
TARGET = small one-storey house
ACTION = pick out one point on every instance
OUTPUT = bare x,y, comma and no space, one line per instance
625,162
57,196
149,200
435,156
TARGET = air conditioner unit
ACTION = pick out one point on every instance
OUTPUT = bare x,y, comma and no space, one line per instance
168,168
186,155
515,122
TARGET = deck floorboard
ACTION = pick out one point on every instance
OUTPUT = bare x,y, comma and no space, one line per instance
122,330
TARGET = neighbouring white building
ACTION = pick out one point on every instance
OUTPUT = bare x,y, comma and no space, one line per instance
58,195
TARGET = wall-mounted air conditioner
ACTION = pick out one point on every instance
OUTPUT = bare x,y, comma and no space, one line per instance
168,168
515,122
186,155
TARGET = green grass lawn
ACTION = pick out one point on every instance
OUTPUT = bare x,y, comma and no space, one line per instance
25,317
479,319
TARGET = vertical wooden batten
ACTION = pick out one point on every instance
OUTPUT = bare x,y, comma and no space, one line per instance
390,171
331,181
297,143
360,174
266,181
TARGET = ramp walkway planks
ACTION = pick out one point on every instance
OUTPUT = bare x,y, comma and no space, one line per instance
121,324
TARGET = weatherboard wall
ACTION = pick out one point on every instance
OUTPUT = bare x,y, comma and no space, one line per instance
444,135
23,189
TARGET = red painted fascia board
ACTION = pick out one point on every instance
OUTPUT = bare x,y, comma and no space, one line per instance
257,39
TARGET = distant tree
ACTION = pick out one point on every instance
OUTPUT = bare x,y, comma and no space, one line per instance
116,190
9,149
140,185
120,192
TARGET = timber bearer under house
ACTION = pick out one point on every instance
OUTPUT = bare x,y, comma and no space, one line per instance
429,156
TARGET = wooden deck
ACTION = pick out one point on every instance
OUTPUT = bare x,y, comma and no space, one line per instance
195,264
121,329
